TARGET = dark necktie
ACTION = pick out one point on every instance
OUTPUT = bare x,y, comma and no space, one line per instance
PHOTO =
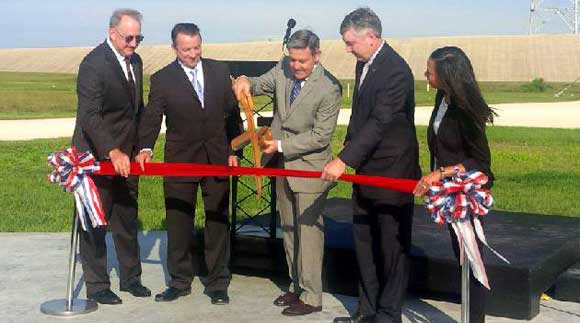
131,80
295,90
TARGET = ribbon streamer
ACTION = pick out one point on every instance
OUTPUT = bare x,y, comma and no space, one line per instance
450,201
71,170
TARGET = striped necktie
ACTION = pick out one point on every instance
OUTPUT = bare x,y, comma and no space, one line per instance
295,90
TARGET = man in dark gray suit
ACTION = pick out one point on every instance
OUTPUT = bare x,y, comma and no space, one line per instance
380,140
110,100
202,117
307,107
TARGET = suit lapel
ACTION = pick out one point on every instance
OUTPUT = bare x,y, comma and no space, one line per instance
116,67
287,90
208,80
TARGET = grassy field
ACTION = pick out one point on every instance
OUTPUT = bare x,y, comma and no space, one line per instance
538,171
51,95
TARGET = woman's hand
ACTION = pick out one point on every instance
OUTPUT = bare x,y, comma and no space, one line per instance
425,182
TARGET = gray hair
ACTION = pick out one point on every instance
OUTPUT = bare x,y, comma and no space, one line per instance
119,13
361,19
302,39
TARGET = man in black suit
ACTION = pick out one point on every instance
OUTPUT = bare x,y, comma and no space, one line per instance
110,100
380,140
202,117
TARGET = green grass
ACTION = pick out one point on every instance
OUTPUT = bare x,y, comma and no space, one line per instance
538,171
52,95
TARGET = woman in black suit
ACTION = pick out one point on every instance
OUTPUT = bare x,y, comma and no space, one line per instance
456,137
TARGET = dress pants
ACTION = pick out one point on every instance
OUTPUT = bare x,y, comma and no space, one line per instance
180,202
303,243
477,292
119,197
382,238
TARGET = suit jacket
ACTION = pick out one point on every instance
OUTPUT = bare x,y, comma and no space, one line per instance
305,128
106,116
194,134
459,140
381,138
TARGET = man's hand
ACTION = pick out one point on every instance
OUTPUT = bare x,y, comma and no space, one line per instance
241,87
333,170
270,146
121,162
233,161
143,157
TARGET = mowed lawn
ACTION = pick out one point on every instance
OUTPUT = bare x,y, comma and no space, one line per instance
538,171
52,95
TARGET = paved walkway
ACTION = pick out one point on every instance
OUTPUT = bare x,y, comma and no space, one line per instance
34,270
549,115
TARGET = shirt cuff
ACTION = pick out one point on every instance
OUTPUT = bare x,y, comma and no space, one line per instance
147,150
279,145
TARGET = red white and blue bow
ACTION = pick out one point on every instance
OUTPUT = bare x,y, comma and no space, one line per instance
71,170
451,201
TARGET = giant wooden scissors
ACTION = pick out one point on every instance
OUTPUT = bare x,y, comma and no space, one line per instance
253,137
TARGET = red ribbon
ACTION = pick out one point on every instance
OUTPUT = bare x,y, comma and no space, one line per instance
190,170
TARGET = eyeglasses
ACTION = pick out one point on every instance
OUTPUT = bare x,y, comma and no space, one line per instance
129,38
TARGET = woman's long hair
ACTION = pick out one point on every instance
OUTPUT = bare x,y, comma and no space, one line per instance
457,79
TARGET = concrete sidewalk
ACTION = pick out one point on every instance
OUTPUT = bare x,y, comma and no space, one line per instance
548,115
34,270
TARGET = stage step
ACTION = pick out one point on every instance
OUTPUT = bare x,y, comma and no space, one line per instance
567,286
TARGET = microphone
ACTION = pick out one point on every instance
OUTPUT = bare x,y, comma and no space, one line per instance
290,24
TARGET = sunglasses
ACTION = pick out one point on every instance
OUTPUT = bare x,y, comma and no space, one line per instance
130,38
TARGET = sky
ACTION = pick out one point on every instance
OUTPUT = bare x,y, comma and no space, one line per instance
64,23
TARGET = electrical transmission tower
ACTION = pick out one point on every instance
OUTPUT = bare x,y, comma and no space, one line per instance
541,11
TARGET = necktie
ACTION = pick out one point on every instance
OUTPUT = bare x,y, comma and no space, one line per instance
130,79
295,90
197,86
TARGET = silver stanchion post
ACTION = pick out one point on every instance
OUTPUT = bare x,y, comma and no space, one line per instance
464,286
69,306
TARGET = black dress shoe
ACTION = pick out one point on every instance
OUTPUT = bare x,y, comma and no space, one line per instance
219,297
105,296
171,294
137,289
356,318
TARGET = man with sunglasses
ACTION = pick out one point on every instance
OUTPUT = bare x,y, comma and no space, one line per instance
110,101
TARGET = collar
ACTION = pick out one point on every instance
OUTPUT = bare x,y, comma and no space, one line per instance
370,61
302,81
198,68
119,57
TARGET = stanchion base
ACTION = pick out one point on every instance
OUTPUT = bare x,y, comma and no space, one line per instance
58,307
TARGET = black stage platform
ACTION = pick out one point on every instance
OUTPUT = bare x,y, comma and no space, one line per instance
539,247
